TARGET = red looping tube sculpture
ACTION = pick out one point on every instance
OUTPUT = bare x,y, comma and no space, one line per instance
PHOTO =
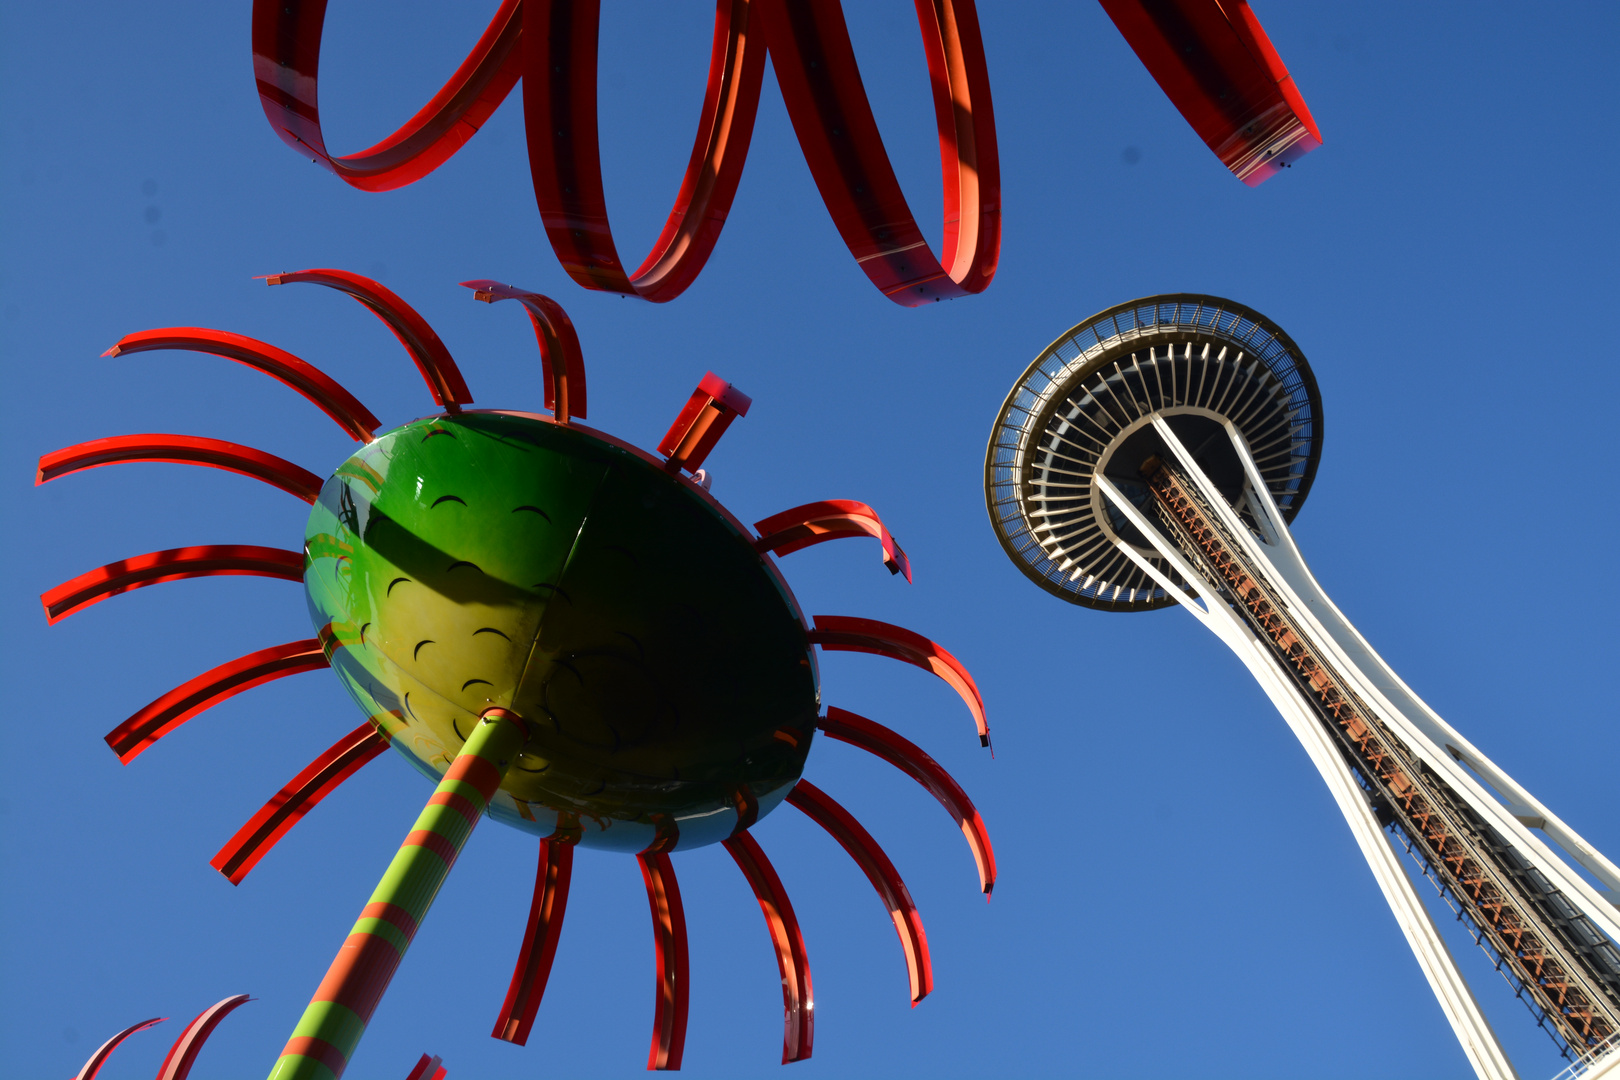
555,44
1215,63
559,107
815,66
286,58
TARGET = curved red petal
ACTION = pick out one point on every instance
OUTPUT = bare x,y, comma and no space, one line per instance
309,380
840,633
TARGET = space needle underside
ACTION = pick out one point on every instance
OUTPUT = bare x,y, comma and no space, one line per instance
1155,455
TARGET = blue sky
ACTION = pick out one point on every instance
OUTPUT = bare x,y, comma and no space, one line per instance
1177,891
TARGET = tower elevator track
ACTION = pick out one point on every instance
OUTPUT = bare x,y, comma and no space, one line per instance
1559,959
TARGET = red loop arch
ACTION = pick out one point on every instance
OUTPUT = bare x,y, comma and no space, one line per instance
554,43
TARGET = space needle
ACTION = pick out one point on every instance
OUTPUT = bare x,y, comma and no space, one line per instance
1155,455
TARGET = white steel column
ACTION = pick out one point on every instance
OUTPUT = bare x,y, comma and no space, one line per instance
1308,604
1468,1022
1528,811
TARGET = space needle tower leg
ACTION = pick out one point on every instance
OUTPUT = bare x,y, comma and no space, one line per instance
1386,757
1468,1022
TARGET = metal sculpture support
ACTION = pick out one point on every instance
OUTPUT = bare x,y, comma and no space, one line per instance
1212,59
1154,455
326,1037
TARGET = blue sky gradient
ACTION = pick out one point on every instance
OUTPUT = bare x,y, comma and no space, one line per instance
1177,891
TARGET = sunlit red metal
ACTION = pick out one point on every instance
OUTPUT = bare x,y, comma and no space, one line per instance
1214,61
303,377
1211,57
210,688
99,1058
909,758
815,66
156,567
540,936
798,1002
702,420
302,794
853,838
559,102
286,58
840,633
428,1068
182,450
832,519
183,1054
669,941
562,364
433,360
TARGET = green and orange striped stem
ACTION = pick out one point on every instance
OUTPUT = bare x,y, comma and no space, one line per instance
326,1037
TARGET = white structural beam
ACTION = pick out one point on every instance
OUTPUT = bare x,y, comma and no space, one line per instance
1309,606
1524,807
1479,1042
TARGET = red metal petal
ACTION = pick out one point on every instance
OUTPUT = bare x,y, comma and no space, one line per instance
669,941
429,1068
174,564
210,688
815,67
798,1002
562,364
286,55
700,423
302,794
177,1066
540,936
832,519
839,633
183,450
433,360
880,872
910,759
302,376
99,1058
1214,61
559,102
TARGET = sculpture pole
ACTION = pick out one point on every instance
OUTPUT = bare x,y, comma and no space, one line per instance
326,1037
